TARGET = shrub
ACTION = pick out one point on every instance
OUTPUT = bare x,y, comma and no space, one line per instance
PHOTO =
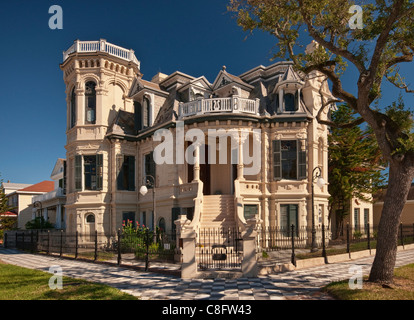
39,223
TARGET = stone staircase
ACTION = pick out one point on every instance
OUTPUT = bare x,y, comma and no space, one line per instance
219,245
218,212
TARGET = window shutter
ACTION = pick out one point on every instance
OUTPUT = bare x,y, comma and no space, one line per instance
302,163
138,116
119,172
131,173
296,101
277,168
78,173
99,171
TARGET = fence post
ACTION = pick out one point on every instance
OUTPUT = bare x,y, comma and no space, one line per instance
249,262
48,242
24,244
323,244
96,246
119,247
146,249
16,241
61,243
347,241
76,245
293,258
5,240
401,235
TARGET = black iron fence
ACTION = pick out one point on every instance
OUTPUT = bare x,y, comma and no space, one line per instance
219,249
138,248
305,242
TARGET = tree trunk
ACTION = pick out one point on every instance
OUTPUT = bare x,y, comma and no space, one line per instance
399,183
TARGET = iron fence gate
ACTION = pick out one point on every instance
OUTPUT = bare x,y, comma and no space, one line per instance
219,249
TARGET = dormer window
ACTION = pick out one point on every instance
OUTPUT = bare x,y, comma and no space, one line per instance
90,102
146,112
290,102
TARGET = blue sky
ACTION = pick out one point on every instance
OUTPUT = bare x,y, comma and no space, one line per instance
194,37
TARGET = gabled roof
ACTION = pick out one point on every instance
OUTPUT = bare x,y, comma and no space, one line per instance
140,84
290,74
201,82
44,186
58,168
224,78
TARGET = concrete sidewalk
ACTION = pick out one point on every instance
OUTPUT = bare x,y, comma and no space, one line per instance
299,284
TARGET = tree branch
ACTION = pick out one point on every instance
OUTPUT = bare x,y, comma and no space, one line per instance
329,44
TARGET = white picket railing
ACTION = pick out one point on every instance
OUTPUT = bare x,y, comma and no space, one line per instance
233,104
102,46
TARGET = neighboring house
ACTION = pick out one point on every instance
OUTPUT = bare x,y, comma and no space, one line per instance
407,215
10,187
113,122
50,205
21,200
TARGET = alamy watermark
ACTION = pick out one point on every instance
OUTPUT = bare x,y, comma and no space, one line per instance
56,281
245,147
356,21
355,282
56,20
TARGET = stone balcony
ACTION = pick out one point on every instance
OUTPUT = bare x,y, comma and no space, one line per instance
232,104
101,46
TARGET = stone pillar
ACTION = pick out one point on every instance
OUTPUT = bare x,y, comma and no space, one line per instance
249,263
188,250
197,164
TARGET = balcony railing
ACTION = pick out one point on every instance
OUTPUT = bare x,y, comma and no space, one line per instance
232,104
49,195
101,46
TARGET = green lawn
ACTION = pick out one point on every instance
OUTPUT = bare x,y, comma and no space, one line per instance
17,283
402,289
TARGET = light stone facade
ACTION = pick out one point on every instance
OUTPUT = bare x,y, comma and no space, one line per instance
110,131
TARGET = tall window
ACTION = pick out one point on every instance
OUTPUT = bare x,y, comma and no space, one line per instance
72,108
146,112
126,173
149,166
290,102
366,219
90,102
92,172
356,218
289,217
138,116
289,161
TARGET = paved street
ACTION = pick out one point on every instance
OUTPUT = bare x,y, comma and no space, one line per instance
299,284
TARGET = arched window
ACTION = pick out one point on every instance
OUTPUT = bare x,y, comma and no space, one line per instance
90,102
146,112
289,100
72,108
90,218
